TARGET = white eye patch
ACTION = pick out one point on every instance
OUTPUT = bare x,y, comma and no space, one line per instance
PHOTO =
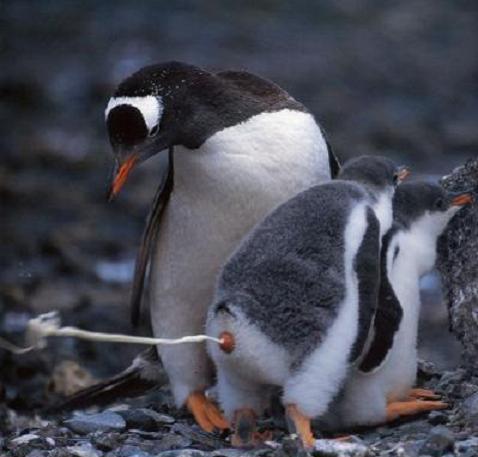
149,106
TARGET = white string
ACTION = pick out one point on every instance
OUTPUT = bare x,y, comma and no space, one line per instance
48,324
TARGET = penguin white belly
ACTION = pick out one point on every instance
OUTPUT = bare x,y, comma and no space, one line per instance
365,396
221,190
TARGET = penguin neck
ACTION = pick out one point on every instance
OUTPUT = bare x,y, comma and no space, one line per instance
419,241
383,209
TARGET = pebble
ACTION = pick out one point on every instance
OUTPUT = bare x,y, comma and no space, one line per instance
106,441
335,448
84,450
172,441
439,442
89,423
184,453
131,451
145,419
437,418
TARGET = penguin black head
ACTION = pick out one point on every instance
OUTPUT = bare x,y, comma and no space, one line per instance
173,103
376,172
414,200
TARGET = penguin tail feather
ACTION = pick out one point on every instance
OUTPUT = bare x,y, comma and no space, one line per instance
144,374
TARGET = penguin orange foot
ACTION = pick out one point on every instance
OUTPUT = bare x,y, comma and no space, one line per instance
206,413
300,424
423,394
244,423
398,409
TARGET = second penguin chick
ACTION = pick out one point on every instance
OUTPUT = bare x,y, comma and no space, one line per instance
288,302
379,390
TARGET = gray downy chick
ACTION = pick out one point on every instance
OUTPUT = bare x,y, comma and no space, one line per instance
288,302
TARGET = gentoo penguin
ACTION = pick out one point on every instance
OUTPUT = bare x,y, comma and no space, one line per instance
288,304
242,146
379,389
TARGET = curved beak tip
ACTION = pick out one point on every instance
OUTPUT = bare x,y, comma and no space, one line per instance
121,176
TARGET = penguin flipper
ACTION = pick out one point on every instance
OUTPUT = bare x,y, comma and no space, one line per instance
150,231
387,318
368,275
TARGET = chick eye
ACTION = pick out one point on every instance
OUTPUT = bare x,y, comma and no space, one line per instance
154,131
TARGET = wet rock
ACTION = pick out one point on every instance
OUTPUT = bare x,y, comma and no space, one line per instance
104,422
458,263
439,442
84,450
145,419
467,448
470,409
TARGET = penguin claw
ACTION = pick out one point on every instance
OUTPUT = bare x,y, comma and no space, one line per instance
411,407
424,394
205,412
300,424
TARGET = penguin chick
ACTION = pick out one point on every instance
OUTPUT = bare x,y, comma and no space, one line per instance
241,146
378,390
288,301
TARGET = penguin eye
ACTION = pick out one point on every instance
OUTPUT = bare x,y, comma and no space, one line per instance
440,204
395,179
154,131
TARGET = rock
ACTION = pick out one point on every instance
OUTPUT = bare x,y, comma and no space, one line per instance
458,263
37,453
131,451
84,450
106,441
172,441
333,448
145,419
467,448
470,409
437,418
185,453
439,441
89,423
68,378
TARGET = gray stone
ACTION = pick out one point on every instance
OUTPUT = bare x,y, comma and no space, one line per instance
458,264
184,453
84,450
437,418
467,448
131,451
172,441
89,423
145,419
470,409
335,448
439,442
37,453
106,441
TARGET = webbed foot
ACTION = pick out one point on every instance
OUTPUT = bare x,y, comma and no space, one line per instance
205,412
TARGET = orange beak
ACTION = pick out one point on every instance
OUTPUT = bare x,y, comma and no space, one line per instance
122,175
463,199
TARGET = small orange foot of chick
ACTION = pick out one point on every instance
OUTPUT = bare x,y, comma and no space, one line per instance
301,426
411,407
205,412
244,424
423,394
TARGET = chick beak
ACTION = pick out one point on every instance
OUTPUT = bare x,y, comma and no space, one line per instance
462,199
121,174
403,173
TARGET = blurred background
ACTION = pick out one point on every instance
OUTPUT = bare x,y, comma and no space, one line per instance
389,77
